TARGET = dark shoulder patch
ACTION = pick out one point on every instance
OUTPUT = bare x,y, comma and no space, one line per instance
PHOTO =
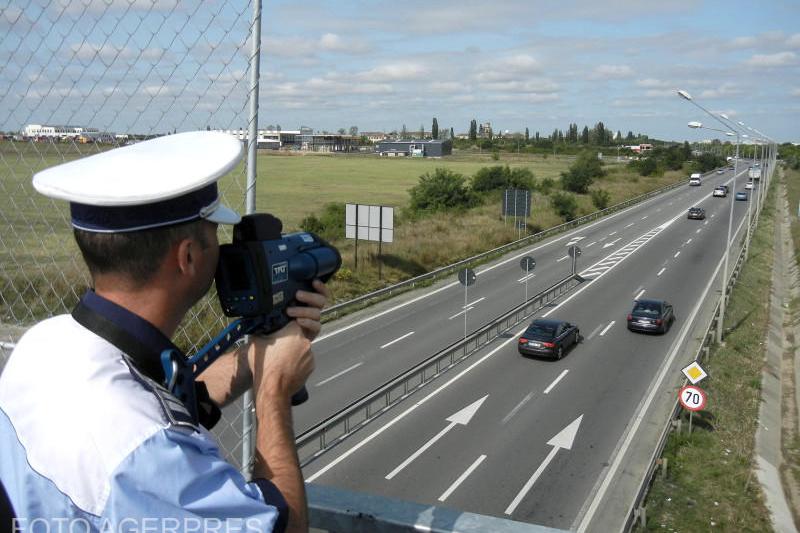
174,410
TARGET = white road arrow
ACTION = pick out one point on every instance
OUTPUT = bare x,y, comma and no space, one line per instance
461,417
564,439
612,243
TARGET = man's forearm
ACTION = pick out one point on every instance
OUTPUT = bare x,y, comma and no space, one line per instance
228,377
276,456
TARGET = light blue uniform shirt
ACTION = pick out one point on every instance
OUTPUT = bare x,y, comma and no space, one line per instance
91,444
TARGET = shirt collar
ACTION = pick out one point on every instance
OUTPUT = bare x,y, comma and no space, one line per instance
137,327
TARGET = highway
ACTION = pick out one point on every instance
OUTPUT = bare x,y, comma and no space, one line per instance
515,437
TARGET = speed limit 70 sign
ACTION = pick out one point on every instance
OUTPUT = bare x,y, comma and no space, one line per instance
692,398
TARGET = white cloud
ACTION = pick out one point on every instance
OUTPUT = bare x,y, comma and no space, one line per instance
611,72
331,42
726,89
652,83
445,87
660,93
401,71
779,59
521,87
795,92
793,41
743,42
509,68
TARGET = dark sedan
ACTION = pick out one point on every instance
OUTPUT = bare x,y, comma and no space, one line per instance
548,337
651,315
697,213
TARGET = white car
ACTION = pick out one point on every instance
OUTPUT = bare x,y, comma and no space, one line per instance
748,185
720,191
694,182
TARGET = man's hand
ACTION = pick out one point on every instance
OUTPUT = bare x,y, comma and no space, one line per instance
308,316
281,362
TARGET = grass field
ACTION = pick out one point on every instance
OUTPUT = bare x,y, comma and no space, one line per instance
41,273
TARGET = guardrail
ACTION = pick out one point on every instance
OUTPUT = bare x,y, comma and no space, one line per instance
637,511
336,310
336,428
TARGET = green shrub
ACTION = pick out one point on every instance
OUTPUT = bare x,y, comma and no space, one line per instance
600,198
582,173
565,205
546,185
441,190
329,224
502,177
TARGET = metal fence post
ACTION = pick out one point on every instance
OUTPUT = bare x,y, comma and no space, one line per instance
250,205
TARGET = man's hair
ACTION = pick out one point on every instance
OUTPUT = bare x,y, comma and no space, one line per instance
136,254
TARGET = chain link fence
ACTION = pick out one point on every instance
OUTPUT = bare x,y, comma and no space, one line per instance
78,77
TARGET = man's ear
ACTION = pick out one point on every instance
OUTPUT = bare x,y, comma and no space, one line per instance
185,259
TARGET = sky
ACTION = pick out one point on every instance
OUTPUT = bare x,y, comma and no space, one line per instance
139,66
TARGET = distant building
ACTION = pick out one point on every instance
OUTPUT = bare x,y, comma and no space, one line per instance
83,134
640,148
416,148
303,139
374,136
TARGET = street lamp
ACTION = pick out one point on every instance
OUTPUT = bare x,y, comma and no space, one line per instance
686,96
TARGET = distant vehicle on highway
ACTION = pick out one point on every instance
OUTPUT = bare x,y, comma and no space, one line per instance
748,185
651,316
741,196
696,213
549,337
694,179
720,171
720,191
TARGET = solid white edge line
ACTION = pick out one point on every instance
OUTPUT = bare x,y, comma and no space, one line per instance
645,404
398,339
605,329
408,411
446,494
343,372
555,381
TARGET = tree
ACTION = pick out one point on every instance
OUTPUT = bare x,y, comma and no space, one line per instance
600,198
452,134
435,129
527,136
581,173
421,131
629,137
585,135
404,132
354,131
600,133
341,131
473,130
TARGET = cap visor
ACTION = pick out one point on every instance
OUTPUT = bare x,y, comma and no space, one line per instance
223,215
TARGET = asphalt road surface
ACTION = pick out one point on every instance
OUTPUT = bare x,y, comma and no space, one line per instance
506,435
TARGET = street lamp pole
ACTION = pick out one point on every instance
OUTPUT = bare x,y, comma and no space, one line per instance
722,302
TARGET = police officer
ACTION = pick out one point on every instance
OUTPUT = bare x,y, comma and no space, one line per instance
91,439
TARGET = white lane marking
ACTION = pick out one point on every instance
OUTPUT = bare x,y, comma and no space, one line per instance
612,233
397,340
461,313
594,332
689,241
469,305
516,408
670,203
559,260
585,286
342,373
608,327
461,478
612,243
712,215
640,294
661,271
640,287
699,230
629,225
677,254
555,381
574,240
658,210
591,243
529,276
705,223
582,229
654,388
413,408
644,217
